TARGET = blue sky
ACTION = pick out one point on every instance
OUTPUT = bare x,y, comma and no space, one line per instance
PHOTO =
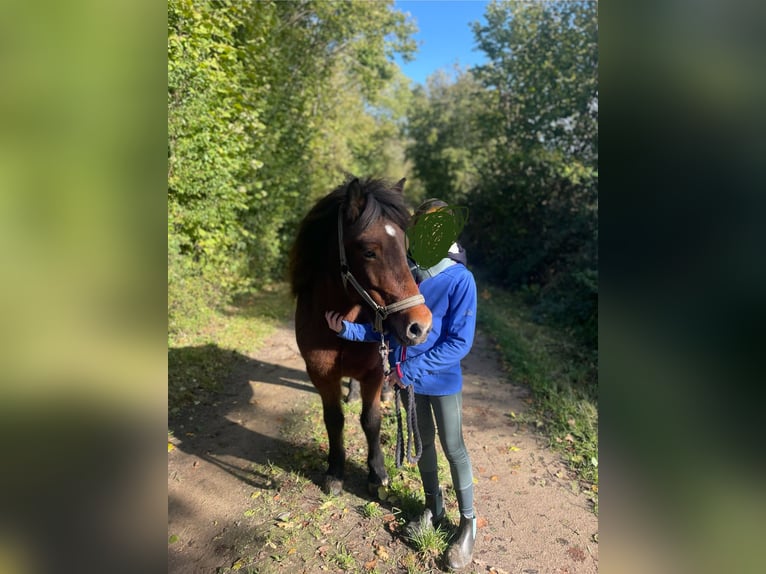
444,36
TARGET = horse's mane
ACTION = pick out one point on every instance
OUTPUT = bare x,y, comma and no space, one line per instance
317,236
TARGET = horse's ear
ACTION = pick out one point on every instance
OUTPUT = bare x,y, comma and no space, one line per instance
354,199
400,185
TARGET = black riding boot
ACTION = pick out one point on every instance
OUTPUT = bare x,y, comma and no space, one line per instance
460,552
430,517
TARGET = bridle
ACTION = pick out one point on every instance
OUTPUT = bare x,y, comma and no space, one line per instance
381,313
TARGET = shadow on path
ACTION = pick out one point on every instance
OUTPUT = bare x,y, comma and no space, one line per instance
237,428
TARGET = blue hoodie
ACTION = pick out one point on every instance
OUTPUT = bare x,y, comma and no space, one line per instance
433,367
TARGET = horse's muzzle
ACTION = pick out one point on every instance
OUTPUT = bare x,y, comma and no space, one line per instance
417,332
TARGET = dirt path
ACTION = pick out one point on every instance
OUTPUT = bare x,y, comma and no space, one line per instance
533,517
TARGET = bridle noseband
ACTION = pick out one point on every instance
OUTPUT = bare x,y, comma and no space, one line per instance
381,313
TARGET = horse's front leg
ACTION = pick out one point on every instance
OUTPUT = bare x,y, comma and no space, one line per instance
333,420
370,420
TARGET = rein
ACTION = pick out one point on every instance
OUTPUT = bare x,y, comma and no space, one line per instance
381,313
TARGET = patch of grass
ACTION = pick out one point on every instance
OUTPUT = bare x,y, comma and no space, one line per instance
430,542
342,557
371,510
207,335
561,375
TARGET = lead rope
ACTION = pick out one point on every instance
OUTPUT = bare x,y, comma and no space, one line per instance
413,433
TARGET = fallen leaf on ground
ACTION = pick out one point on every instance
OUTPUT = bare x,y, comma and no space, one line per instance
576,553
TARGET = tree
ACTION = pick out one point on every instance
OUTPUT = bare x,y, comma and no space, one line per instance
323,65
445,145
516,140
211,127
543,74
541,180
256,132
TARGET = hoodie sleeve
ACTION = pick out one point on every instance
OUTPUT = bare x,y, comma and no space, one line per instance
457,337
360,332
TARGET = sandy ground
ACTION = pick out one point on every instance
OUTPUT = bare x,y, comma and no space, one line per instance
534,519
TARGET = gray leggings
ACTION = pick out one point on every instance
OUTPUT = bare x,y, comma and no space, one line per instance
448,412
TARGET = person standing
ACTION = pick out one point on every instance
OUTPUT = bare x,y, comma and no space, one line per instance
433,369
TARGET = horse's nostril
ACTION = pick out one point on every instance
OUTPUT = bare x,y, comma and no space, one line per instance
414,330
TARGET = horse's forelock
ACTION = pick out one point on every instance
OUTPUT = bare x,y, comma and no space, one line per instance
382,201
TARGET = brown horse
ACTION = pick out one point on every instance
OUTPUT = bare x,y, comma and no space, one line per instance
349,256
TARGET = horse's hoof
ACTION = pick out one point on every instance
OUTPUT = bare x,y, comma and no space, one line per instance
354,391
333,485
378,489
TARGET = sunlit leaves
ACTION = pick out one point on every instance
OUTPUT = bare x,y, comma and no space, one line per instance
269,105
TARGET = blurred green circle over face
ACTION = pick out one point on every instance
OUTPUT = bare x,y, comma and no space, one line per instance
432,234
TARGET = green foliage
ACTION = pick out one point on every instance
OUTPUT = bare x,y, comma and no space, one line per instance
539,232
210,126
269,105
516,141
320,64
445,143
543,77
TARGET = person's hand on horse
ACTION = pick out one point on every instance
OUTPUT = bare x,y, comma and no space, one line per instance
334,320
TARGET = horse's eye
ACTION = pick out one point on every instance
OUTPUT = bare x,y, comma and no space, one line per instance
369,254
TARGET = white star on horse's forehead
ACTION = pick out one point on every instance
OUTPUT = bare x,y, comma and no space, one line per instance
390,230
